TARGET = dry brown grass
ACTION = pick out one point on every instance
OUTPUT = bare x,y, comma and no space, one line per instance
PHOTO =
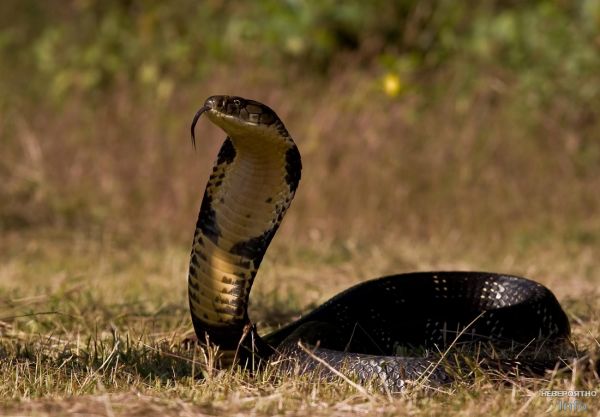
103,337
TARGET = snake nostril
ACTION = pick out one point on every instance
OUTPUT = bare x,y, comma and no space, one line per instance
214,102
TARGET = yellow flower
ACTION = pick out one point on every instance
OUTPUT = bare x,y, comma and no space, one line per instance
392,84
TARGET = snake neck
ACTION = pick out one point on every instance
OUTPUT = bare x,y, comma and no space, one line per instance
249,190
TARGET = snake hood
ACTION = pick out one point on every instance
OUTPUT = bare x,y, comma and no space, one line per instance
251,186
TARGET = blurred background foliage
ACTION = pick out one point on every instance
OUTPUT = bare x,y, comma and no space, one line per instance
493,102
87,46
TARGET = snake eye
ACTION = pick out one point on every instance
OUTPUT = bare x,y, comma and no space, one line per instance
237,102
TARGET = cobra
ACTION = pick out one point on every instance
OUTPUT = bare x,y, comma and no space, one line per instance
365,331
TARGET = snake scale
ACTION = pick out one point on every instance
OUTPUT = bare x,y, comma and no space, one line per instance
389,329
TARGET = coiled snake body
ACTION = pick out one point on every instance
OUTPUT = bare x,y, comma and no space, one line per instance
366,331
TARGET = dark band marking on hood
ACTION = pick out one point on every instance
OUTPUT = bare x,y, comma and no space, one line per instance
226,153
293,167
254,248
207,220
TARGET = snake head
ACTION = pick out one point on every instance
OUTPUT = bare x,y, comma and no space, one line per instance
236,115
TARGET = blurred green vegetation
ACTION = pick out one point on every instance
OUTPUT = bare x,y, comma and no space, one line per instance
95,97
85,46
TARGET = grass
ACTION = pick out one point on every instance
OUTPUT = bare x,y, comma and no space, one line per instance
93,328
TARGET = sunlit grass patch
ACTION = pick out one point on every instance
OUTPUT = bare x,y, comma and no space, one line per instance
102,329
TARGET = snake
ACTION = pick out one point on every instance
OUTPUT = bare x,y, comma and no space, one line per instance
393,330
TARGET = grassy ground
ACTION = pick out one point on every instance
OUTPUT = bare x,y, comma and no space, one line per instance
95,327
